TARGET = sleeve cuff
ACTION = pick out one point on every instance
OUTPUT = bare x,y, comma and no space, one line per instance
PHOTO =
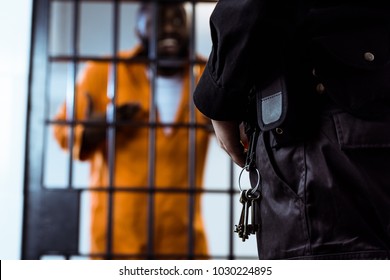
219,103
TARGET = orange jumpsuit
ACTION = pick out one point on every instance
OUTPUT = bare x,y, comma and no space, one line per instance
130,209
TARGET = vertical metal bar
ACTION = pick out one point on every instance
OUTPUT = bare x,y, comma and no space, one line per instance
71,102
111,135
49,215
46,101
152,55
71,88
231,255
70,115
191,139
36,78
45,133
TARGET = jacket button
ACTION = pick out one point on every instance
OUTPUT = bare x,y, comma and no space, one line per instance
368,56
320,88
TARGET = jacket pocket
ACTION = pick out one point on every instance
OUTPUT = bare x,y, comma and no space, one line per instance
355,133
354,67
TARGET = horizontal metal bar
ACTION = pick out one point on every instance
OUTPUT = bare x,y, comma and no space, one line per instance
130,189
129,123
116,59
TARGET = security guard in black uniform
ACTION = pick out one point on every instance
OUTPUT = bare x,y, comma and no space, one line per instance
318,75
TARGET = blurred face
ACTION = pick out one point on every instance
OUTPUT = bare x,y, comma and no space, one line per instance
172,30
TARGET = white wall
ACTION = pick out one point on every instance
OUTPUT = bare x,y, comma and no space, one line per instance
15,22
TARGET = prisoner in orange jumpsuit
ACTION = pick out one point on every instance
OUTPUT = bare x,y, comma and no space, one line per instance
131,165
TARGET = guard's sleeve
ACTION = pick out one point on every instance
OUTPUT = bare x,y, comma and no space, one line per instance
222,91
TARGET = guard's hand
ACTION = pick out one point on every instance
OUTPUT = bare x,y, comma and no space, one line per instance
232,139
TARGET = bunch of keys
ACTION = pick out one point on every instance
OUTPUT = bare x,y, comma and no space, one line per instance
244,228
249,196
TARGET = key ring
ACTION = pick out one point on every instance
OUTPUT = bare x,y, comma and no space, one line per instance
253,190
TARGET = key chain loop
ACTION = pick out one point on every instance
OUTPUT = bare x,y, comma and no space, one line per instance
253,190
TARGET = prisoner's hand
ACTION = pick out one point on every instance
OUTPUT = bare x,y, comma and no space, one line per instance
127,111
231,138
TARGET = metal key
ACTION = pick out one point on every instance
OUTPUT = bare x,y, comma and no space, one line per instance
252,197
249,229
247,198
246,206
241,227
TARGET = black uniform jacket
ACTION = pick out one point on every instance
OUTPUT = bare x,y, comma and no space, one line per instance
327,195
254,40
